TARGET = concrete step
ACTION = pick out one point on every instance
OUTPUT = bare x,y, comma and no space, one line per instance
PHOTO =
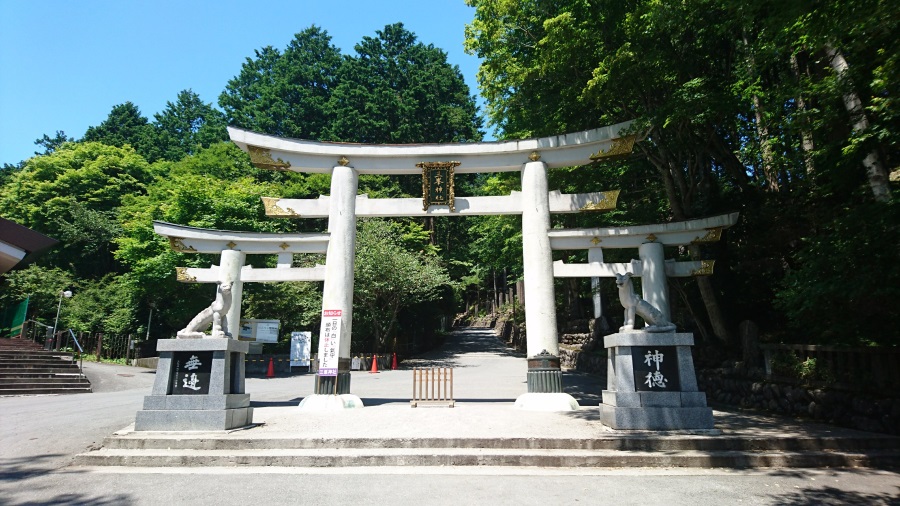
11,357
34,353
36,364
178,441
44,390
60,379
40,370
30,367
354,457
22,374
18,344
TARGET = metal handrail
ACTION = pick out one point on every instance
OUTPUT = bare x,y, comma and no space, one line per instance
33,335
80,352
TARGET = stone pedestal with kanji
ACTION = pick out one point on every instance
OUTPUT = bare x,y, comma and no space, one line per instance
199,386
651,383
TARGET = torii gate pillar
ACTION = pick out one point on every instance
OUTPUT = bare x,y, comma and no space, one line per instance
654,287
230,272
334,391
542,343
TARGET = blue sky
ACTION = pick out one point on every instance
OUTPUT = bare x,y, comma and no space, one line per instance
64,64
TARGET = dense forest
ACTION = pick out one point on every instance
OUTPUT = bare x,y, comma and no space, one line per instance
782,111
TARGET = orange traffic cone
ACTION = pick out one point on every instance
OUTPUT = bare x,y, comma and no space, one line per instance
374,364
394,363
271,372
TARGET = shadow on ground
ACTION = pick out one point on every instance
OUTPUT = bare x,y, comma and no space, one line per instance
830,496
35,474
23,468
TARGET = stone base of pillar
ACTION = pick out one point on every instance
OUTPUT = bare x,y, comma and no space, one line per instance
652,384
199,386
325,384
321,402
546,402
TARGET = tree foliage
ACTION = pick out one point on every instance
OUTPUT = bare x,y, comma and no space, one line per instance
285,93
398,90
741,107
390,277
187,126
125,125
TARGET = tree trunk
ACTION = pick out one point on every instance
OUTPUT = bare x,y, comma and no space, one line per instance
762,127
668,181
806,139
701,326
879,179
496,299
711,301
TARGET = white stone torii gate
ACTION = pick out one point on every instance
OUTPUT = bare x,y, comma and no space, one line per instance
234,248
651,264
345,162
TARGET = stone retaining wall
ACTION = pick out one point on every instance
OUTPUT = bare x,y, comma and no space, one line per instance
858,410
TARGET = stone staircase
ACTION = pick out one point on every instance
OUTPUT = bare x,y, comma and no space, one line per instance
26,369
648,451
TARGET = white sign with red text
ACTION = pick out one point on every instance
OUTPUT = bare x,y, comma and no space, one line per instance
329,342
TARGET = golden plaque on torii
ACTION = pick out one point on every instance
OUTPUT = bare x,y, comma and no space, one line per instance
437,184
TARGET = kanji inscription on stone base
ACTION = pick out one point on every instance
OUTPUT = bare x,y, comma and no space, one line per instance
190,372
655,369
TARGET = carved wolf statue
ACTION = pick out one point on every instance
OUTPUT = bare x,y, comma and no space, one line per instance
655,320
215,314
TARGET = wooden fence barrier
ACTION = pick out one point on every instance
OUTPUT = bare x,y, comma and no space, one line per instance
432,387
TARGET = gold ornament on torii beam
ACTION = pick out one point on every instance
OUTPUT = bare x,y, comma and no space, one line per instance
437,184
621,148
706,268
181,274
272,208
177,244
262,158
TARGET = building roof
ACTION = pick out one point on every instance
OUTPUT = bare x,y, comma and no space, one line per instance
20,245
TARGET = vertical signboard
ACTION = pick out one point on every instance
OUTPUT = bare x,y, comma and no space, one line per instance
437,184
300,348
329,341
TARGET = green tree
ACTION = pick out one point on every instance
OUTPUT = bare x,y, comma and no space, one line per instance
844,282
187,126
389,278
73,194
40,285
285,94
103,305
742,105
398,90
52,144
125,126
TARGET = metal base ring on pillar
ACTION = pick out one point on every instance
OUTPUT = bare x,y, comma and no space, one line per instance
544,381
544,374
325,384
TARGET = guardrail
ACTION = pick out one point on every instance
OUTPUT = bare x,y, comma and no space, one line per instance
432,387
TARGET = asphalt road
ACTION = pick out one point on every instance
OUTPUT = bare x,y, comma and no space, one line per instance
39,436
